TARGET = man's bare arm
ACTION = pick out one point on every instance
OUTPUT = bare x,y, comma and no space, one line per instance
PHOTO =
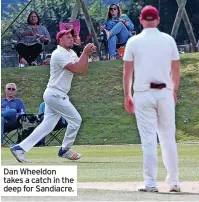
82,64
127,78
175,74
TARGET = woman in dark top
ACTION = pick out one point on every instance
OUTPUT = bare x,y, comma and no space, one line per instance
32,37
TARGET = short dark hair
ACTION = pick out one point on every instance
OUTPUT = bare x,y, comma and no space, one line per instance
28,20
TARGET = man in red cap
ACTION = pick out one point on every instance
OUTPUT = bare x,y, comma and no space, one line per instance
154,59
64,63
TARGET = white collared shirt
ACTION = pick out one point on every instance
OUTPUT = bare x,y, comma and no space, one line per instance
152,52
60,78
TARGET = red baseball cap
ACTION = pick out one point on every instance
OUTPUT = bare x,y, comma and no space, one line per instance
64,32
149,13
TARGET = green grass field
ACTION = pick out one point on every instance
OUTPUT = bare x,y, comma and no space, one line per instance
98,96
111,163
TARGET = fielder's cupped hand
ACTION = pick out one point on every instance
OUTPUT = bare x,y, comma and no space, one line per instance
129,105
90,48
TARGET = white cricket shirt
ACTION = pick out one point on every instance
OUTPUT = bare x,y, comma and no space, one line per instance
60,78
152,52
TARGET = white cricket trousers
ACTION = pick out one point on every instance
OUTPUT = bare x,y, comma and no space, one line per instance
155,114
55,107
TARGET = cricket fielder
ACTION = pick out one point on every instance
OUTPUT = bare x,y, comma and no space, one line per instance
64,63
154,59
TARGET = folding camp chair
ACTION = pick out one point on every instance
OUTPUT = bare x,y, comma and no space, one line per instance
21,129
29,123
13,130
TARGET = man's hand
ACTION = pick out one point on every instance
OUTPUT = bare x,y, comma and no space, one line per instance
89,48
129,106
175,76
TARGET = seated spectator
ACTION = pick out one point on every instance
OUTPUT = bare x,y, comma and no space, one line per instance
118,28
32,37
11,107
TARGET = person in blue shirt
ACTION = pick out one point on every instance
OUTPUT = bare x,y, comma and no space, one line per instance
11,107
118,28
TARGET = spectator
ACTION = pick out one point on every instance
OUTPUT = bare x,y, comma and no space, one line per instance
118,28
11,107
32,37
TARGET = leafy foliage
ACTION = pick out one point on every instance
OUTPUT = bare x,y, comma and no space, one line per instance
52,12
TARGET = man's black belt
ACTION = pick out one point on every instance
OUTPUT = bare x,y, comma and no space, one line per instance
158,86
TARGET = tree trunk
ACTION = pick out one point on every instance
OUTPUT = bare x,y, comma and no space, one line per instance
178,18
189,29
90,26
75,11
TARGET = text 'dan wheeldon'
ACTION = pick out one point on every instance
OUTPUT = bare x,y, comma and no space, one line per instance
38,180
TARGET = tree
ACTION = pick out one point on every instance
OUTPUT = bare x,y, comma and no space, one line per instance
54,11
